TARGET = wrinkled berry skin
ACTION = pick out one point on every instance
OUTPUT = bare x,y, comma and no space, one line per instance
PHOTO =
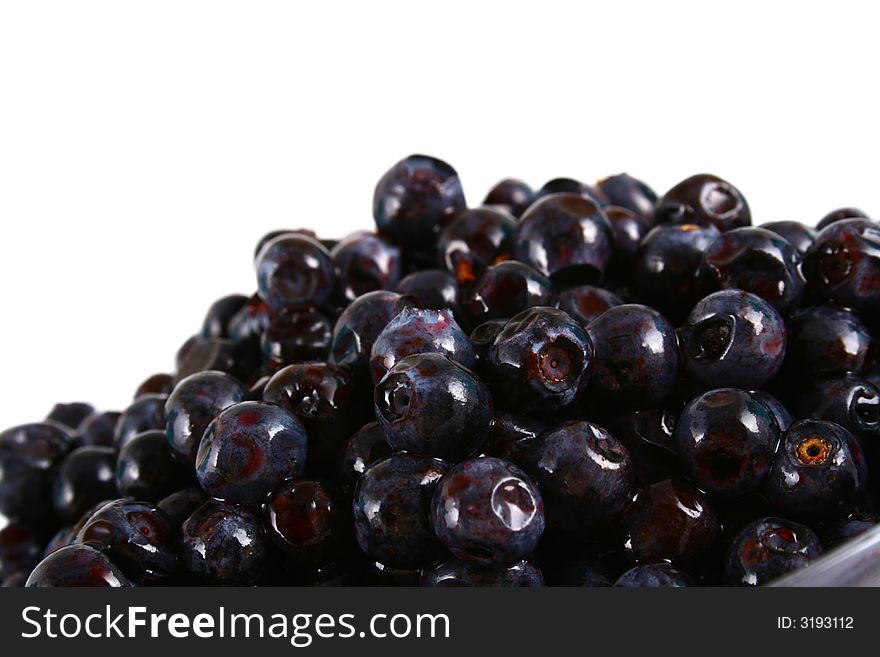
565,237
191,406
71,415
843,265
21,548
800,236
488,511
658,574
430,405
666,266
706,200
366,446
29,455
77,565
418,331
360,324
391,505
139,537
584,473
435,289
146,413
179,505
636,357
850,401
826,341
225,544
415,198
294,337
732,338
365,262
585,302
726,440
755,260
839,215
294,271
510,194
672,520
541,360
221,312
768,548
474,240
248,450
622,190
505,289
819,473
472,574
147,470
98,429
85,478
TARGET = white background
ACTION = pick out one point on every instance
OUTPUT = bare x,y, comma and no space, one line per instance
146,146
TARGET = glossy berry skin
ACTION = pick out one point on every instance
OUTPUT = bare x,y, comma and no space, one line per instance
418,331
781,414
657,574
488,511
566,237
755,260
472,574
706,200
672,520
768,548
250,449
391,505
666,265
137,536
157,384
648,437
726,440
77,565
85,478
819,473
584,473
146,413
628,229
365,262
366,446
625,191
849,401
71,415
272,234
827,341
800,236
570,186
542,360
179,505
147,470
474,240
249,323
839,215
483,337
841,531
510,194
505,289
194,402
416,198
732,338
98,429
586,302
224,544
843,265
430,405
360,324
511,433
296,336
21,548
219,315
636,357
218,354
294,271
433,288
29,455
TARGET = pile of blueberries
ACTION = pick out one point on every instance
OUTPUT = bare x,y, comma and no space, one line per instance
584,385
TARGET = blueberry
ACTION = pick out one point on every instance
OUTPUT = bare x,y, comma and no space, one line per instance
249,323
800,236
272,234
147,470
839,532
77,565
391,506
224,543
483,337
430,405
768,548
706,200
433,288
248,450
71,415
294,271
586,302
146,413
474,240
727,440
86,477
511,433
29,455
672,520
585,475
505,289
783,416
839,215
657,574
238,359
179,505
219,315
194,402
541,360
631,193
98,429
365,446
296,336
636,357
732,338
827,341
648,437
510,194
21,548
849,401
628,229
570,186
488,511
417,331
365,262
471,574
156,384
